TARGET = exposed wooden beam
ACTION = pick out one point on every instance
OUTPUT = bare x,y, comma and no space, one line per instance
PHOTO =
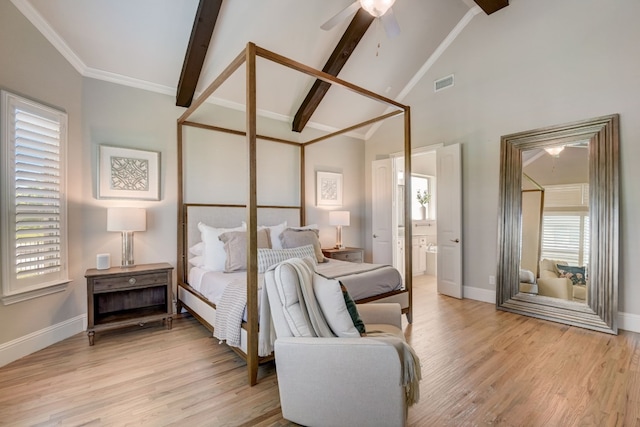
352,36
203,25
490,6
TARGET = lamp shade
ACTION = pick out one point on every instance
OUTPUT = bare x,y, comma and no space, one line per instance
339,217
126,219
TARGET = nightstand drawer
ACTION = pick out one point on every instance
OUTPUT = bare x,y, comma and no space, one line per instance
355,256
109,284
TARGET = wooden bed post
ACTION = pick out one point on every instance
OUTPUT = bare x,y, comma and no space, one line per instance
252,218
303,168
408,197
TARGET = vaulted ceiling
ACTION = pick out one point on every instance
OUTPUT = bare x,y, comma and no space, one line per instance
146,44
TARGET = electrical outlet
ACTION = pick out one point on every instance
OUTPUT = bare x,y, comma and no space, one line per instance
492,280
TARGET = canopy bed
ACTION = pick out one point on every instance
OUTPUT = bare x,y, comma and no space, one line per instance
250,219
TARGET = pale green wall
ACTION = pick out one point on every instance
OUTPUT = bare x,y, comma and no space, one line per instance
533,64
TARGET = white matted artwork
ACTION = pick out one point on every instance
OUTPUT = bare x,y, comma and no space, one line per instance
329,189
125,173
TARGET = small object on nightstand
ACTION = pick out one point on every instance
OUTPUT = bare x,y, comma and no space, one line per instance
345,254
119,297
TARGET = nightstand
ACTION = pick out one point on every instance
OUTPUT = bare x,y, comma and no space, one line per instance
120,297
345,254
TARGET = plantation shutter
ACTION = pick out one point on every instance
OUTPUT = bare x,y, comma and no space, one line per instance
565,237
36,212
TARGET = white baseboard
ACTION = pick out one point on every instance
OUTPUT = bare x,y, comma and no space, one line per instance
626,321
14,350
479,294
629,322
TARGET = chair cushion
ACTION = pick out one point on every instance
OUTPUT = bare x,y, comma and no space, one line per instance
372,328
334,308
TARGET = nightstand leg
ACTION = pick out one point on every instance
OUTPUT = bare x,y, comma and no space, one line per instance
91,334
169,322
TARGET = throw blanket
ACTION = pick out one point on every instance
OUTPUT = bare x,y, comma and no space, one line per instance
229,313
410,363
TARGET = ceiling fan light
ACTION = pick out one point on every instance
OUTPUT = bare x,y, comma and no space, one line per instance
377,8
554,151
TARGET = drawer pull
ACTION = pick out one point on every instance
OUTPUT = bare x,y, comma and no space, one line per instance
132,281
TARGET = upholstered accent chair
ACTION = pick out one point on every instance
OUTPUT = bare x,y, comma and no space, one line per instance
336,381
552,284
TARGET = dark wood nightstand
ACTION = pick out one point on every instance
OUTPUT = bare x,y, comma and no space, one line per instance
346,254
128,296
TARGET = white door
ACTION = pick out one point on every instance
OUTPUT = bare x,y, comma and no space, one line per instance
449,220
382,208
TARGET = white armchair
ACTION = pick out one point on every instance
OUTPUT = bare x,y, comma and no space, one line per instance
339,381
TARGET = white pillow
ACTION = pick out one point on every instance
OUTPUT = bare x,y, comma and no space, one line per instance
307,227
331,301
269,257
274,232
197,261
214,254
197,249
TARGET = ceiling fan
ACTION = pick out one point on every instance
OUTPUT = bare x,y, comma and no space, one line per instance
380,9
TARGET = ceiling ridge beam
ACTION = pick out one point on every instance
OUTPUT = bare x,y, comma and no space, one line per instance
345,47
490,6
203,25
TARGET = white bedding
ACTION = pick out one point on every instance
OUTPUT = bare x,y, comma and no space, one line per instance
211,284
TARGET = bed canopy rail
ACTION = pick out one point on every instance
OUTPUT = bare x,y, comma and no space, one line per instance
248,58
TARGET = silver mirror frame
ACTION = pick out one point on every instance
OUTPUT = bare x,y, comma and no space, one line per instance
601,311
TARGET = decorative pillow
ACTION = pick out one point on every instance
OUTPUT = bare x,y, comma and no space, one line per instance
575,274
197,249
269,257
235,248
353,311
331,299
274,232
293,238
214,255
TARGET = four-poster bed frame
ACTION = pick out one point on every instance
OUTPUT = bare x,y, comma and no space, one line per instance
248,58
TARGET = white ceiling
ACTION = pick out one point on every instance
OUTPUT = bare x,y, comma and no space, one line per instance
142,43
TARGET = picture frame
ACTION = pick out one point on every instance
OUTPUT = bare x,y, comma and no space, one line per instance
127,173
328,189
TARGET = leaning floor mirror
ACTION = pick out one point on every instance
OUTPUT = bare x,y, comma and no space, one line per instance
558,224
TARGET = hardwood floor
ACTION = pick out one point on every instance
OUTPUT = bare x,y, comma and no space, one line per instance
480,367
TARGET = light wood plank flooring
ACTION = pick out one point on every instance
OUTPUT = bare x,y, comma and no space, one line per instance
480,367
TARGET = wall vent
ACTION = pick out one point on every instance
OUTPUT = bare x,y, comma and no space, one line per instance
443,83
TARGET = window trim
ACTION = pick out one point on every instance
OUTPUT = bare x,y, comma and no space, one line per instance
12,290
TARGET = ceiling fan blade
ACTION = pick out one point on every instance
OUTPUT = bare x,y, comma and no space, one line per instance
390,24
341,16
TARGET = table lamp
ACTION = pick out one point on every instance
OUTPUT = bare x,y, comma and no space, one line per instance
339,218
127,220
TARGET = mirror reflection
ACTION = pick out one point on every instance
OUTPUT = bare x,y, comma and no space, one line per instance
558,223
554,253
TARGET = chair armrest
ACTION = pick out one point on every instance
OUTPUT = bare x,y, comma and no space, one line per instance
381,313
559,287
317,376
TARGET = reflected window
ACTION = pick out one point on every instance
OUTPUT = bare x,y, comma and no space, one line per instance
565,236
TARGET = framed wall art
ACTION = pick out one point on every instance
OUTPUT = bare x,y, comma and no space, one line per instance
329,189
126,173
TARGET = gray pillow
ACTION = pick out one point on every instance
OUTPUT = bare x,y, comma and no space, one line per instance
294,238
235,248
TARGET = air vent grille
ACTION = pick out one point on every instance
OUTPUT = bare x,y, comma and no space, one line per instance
443,83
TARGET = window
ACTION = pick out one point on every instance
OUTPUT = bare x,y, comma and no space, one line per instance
32,189
421,184
565,236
